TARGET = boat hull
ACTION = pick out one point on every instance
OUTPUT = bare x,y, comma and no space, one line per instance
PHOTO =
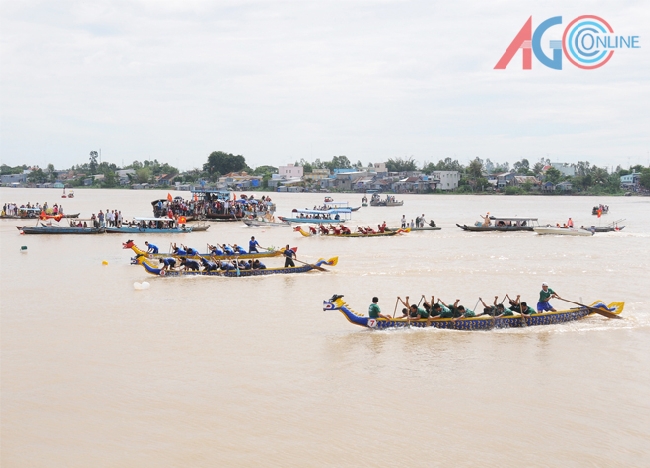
353,234
151,256
484,322
464,227
556,231
146,230
256,223
60,230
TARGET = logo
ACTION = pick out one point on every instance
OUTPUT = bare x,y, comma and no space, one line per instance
588,42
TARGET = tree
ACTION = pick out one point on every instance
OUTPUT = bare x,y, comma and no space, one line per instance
599,175
143,175
224,163
37,176
522,167
51,175
644,180
401,165
553,175
443,165
93,162
263,170
475,168
338,162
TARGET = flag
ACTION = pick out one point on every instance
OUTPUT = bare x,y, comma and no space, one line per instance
600,212
43,216
169,197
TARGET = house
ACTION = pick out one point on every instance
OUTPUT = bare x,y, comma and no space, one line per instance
504,179
9,179
164,179
444,180
411,185
629,181
290,171
568,170
523,180
317,174
565,186
548,187
361,184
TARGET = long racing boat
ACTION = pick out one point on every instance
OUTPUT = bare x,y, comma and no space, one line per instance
60,230
339,232
237,273
482,322
269,253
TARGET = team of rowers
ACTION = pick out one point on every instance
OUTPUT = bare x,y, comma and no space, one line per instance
342,230
439,310
213,263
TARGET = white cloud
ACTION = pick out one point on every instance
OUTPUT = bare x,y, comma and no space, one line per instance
277,81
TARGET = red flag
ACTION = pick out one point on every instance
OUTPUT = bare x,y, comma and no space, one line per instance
169,197
43,216
600,212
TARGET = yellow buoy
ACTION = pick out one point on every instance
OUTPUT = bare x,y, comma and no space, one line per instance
104,262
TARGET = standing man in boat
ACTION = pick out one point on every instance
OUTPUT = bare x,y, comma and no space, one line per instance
253,245
151,248
570,223
546,294
486,219
288,254
374,312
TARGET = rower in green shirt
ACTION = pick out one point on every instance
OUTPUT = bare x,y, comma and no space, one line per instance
442,310
374,311
544,296
414,311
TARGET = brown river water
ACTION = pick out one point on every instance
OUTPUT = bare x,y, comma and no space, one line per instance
252,372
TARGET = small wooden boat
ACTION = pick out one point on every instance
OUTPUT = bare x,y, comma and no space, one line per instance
262,223
611,227
198,227
337,232
239,273
269,253
501,224
376,200
603,209
561,231
483,322
60,230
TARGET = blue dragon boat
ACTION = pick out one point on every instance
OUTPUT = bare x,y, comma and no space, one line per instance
151,226
60,230
237,273
484,322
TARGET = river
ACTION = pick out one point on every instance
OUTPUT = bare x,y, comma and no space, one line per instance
252,372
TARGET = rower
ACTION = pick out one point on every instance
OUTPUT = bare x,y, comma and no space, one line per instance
257,265
253,245
151,248
238,249
214,250
228,250
168,263
189,264
460,311
374,312
192,252
208,265
415,311
288,254
543,305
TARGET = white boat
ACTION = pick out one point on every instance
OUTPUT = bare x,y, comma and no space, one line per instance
561,231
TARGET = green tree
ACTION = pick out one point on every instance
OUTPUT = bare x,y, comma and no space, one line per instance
338,162
475,168
93,162
522,167
51,175
37,176
553,175
644,179
143,175
220,162
401,165
263,170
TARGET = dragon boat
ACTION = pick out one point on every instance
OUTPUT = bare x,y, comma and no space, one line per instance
342,232
271,253
483,322
60,230
237,273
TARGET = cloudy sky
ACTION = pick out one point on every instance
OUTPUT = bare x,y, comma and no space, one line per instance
277,81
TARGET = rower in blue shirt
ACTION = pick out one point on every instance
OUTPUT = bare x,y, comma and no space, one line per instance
151,248
253,245
214,250
189,264
208,265
191,251
168,263
239,249
178,250
228,250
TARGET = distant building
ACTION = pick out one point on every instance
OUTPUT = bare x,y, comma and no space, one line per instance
290,171
568,170
9,179
629,182
444,180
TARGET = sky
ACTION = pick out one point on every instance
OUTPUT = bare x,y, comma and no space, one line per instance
277,81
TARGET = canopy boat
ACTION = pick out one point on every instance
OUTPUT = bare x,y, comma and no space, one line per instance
333,204
238,272
498,223
331,216
269,253
218,205
342,231
150,226
376,200
483,322
561,231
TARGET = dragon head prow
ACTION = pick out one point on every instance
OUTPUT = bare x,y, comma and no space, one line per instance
335,302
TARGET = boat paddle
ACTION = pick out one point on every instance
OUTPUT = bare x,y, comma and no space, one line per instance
603,312
395,309
311,265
